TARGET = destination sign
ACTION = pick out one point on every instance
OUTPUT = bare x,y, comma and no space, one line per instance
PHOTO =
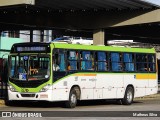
27,49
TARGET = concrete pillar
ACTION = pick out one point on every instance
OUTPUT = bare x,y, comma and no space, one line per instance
99,37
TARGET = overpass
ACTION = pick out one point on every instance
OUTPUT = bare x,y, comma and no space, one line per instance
97,16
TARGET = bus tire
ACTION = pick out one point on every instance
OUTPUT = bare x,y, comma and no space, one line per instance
128,97
72,102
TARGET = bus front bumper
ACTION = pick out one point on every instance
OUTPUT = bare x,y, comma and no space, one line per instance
40,96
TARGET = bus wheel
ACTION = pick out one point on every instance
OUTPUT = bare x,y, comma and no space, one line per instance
128,97
72,102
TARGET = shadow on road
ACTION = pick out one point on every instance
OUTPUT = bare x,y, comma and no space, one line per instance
44,104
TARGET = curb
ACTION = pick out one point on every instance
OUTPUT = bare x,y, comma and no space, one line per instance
154,96
2,102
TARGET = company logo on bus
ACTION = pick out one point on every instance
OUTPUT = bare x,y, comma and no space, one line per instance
25,90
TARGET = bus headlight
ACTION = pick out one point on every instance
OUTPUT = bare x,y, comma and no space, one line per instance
45,88
11,88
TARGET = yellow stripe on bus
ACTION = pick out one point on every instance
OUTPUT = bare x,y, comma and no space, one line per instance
85,74
145,76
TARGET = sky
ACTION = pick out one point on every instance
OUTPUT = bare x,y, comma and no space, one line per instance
157,2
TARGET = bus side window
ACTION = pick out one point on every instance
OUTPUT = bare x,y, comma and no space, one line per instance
87,60
151,63
141,62
116,63
128,59
102,61
72,60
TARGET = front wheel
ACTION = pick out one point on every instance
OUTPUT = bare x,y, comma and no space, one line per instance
128,97
72,102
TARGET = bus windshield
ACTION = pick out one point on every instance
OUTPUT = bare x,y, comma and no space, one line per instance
29,67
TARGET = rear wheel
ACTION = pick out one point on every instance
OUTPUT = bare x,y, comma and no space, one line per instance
72,102
128,97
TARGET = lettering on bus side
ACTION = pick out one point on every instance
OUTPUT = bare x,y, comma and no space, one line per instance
83,79
76,78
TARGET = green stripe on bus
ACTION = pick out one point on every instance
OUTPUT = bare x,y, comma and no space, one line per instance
102,48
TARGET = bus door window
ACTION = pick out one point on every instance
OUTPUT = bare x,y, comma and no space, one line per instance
61,60
151,63
116,63
55,61
102,61
128,59
43,65
141,62
34,65
39,67
72,60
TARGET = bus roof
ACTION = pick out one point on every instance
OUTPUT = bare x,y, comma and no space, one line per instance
77,47
102,48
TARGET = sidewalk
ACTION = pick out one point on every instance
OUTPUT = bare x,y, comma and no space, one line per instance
149,97
2,102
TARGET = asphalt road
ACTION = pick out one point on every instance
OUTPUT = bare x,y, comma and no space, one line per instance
101,109
142,108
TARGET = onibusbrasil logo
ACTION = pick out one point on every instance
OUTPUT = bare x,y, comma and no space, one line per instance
21,114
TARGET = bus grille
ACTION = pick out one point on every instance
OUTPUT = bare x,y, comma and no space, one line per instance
28,95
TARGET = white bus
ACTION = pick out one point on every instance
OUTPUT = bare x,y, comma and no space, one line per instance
80,72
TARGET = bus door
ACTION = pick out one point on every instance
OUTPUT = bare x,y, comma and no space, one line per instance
59,64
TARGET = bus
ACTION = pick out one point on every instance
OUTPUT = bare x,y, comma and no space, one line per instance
70,72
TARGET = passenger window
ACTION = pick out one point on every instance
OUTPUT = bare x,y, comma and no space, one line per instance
102,64
128,59
151,63
72,60
141,62
116,62
87,60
